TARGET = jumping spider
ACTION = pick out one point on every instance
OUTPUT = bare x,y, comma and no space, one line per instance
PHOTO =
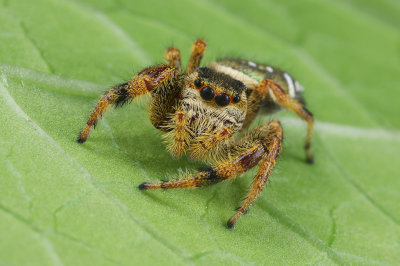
202,109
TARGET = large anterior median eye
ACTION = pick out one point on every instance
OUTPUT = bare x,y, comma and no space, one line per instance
222,99
207,93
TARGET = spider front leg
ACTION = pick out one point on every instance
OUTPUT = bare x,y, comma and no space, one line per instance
142,83
260,146
173,57
198,49
179,135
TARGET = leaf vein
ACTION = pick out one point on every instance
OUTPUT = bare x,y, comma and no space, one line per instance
298,230
39,50
53,82
20,185
136,50
359,189
332,236
347,131
47,244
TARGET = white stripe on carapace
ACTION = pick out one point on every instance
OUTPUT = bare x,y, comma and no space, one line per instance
252,64
236,74
289,81
269,69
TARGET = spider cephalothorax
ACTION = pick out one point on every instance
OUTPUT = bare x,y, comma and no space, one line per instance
210,101
201,110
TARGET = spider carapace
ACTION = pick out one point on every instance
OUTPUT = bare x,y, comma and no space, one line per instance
202,109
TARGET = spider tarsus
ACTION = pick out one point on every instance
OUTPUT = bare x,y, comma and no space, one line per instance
142,186
80,140
230,224
310,160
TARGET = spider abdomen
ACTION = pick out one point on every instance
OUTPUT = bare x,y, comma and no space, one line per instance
251,73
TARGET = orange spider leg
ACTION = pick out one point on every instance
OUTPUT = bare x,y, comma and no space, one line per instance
274,145
173,57
213,175
281,97
198,50
142,83
254,103
179,136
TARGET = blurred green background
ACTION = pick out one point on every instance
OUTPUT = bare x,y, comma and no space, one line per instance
62,203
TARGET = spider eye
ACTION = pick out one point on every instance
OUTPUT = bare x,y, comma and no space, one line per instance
222,99
198,82
207,93
236,99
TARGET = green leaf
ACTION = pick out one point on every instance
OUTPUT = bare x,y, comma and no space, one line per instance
65,203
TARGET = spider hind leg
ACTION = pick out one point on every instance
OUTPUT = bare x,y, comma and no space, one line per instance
269,87
294,105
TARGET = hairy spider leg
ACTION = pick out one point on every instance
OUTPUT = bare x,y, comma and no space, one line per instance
254,101
262,144
145,81
288,102
281,97
173,57
198,49
178,137
273,145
